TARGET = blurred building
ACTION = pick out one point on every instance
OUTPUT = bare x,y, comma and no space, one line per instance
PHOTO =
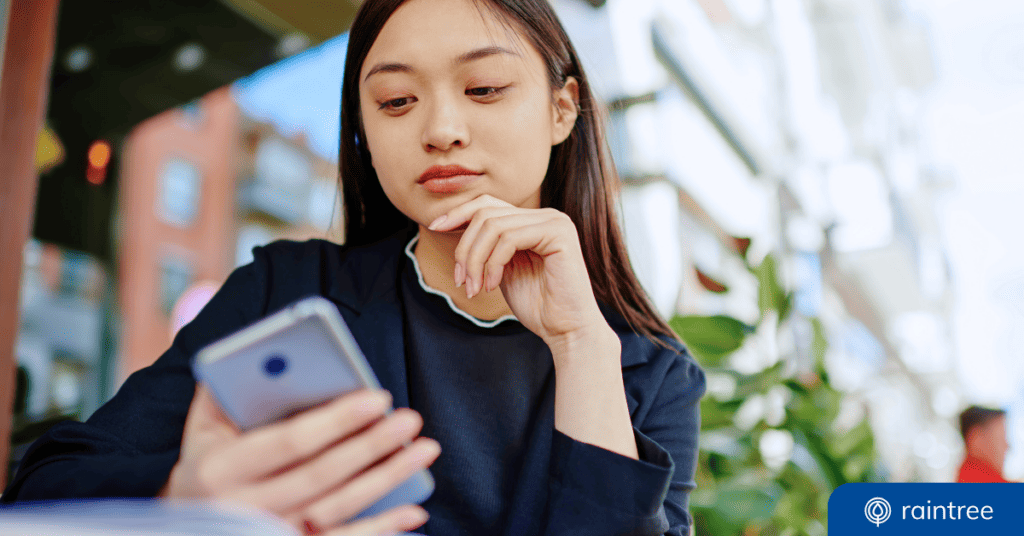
64,341
175,217
202,186
793,123
61,344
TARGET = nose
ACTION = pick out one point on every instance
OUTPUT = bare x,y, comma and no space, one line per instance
445,127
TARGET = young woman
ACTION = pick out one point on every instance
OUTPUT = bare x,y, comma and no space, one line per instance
483,275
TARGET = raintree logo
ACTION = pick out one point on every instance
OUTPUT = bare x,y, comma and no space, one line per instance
877,511
935,509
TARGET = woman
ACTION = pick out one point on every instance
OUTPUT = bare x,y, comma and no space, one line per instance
485,279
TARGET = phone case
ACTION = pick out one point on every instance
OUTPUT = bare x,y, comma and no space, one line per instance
289,361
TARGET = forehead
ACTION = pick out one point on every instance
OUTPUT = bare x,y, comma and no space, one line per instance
421,32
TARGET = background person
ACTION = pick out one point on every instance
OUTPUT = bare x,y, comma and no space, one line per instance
985,445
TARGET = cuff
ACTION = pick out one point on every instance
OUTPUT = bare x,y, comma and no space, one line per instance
604,478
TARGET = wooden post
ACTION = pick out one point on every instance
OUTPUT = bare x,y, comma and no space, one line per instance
28,54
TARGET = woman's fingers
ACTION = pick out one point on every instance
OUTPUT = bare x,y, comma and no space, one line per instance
463,213
336,465
480,219
269,449
469,215
506,246
401,519
480,247
530,230
365,489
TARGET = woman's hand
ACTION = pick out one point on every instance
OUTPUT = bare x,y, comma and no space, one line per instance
316,470
534,256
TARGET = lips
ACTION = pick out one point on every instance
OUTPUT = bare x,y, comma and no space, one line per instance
447,179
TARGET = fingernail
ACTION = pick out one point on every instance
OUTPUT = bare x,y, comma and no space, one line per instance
469,287
460,275
440,219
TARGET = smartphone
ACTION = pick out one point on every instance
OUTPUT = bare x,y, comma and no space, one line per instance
292,360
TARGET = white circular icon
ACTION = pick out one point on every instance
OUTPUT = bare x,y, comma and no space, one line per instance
877,511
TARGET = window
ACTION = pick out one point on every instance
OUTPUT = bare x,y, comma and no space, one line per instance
175,277
180,185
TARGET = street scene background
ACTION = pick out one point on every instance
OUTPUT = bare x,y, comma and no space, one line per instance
822,195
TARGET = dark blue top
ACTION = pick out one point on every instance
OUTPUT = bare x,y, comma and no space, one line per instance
486,394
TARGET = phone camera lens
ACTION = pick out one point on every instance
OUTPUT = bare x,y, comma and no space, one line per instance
275,365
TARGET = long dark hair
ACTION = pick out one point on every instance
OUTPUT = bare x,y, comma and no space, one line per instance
580,181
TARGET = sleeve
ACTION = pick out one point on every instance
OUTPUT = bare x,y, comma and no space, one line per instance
128,447
596,491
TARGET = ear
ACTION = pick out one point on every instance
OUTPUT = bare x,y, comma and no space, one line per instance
566,110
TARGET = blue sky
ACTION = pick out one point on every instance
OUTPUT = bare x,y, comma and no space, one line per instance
300,94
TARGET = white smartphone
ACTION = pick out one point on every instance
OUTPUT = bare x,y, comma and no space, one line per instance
297,358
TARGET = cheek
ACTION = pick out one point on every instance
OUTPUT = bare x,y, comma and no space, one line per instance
383,143
526,139
386,150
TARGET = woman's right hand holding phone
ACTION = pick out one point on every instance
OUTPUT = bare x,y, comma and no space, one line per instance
317,469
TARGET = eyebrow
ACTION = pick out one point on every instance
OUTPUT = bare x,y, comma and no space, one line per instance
472,55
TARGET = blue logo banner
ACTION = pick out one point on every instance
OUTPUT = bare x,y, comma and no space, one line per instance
932,509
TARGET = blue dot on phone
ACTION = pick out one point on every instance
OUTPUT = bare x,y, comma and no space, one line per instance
275,365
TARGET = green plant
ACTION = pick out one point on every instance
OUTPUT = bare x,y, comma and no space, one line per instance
741,490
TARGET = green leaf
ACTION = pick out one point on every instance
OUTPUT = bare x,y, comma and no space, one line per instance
746,505
711,337
819,344
771,296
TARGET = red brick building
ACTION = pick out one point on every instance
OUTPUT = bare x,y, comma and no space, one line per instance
200,186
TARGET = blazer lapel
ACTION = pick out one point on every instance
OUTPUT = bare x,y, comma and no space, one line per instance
364,283
378,330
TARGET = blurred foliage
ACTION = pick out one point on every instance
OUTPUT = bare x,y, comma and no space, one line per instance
740,490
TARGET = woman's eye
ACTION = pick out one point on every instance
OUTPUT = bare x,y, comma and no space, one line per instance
484,91
395,104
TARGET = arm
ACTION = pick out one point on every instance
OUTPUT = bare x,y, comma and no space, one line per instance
597,491
605,480
672,425
590,398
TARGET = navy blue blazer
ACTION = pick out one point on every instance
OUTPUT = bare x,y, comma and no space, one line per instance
129,446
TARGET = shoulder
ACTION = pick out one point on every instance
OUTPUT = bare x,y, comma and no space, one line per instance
297,253
657,374
642,351
655,361
346,273
325,255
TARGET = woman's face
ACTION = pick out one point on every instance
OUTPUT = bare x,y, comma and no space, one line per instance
454,105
